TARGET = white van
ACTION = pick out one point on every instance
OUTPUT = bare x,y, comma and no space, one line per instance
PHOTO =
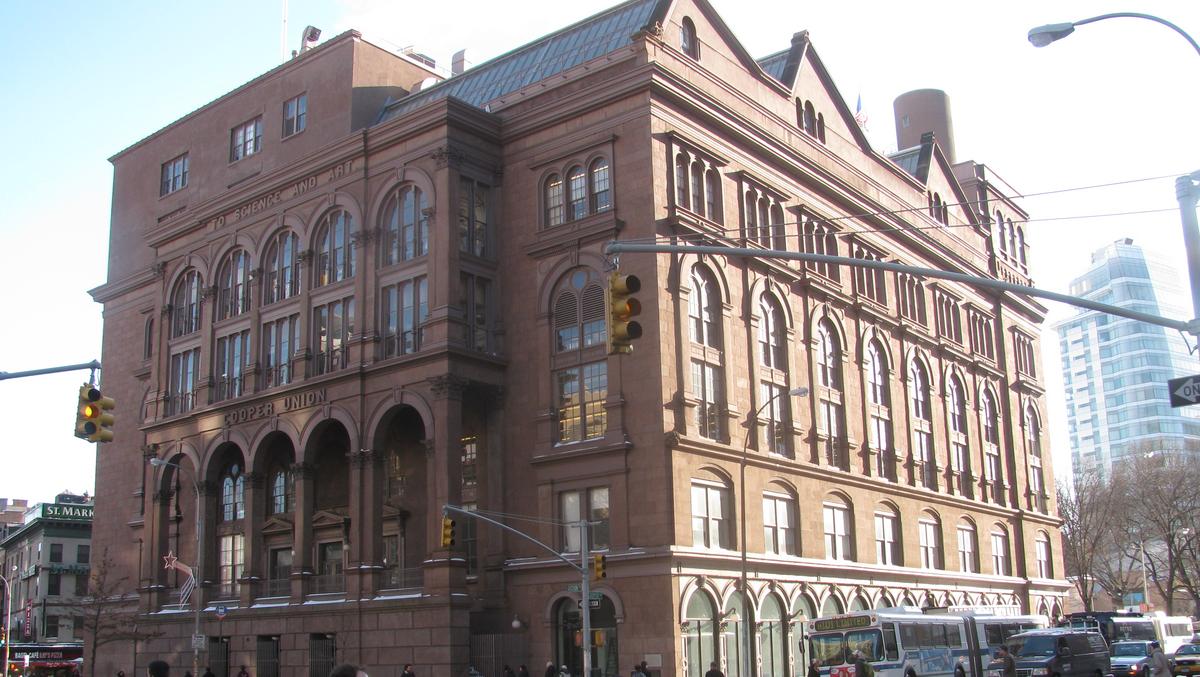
1172,631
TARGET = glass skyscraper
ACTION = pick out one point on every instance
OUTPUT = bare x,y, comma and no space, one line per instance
1115,370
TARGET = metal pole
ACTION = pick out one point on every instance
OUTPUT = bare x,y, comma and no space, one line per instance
7,622
198,591
585,606
1145,593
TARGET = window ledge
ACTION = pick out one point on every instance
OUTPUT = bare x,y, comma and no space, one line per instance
594,227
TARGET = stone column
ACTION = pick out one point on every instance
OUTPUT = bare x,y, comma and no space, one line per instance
445,570
364,561
253,571
302,533
153,588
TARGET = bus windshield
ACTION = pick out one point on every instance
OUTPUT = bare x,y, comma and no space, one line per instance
828,649
1037,645
869,642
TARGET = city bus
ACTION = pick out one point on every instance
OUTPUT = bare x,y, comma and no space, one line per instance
906,641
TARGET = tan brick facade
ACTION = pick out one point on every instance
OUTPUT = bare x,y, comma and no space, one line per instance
466,375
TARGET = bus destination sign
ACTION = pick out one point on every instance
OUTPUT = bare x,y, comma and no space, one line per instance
841,623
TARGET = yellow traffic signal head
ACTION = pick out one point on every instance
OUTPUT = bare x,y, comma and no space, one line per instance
92,420
622,329
599,567
447,532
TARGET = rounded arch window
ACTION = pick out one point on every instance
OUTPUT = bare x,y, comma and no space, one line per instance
281,267
704,308
233,488
832,607
185,304
405,225
580,366
552,199
600,185
771,334
700,634
335,248
577,202
233,284
688,42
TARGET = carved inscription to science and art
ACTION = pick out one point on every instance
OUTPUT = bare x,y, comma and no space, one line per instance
270,408
264,202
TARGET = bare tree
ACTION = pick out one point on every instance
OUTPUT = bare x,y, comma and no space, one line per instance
109,613
1087,506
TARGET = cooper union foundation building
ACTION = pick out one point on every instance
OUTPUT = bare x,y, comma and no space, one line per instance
359,288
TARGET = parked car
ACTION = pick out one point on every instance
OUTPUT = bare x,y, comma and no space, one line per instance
1130,658
1187,660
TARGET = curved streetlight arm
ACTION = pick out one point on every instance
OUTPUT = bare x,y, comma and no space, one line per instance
1044,35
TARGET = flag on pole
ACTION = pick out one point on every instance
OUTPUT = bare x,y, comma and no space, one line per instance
185,590
860,116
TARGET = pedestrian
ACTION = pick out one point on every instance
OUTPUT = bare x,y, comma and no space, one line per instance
243,673
714,671
636,671
564,671
1159,665
1008,666
158,669
120,673
348,670
814,668
551,671
408,671
508,672
187,673
209,673
643,667
861,667
522,671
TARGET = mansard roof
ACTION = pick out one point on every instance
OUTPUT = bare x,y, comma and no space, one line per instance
543,58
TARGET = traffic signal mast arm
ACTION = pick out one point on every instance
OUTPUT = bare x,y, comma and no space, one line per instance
93,365
1192,327
474,515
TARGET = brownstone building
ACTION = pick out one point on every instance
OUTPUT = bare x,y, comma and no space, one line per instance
353,291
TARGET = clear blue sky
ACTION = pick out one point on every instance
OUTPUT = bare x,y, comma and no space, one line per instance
83,80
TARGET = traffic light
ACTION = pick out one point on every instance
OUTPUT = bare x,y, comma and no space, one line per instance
622,330
599,563
447,532
92,420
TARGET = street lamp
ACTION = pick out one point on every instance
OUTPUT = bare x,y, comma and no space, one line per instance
196,568
752,428
1187,188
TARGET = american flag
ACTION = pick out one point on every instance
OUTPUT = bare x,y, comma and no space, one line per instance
860,115
185,590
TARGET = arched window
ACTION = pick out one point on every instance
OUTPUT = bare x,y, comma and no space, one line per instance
929,528
831,428
888,550
922,424
1033,442
233,284
580,363
233,486
968,561
282,267
1000,560
821,127
992,470
839,531
148,339
810,118
282,496
405,226
577,202
772,637
688,43
552,197
711,196
734,628
696,176
712,515
832,607
682,187
708,375
601,186
879,409
185,305
960,455
701,634
1012,238
1021,247
335,249
1045,565
779,521
1002,233
773,385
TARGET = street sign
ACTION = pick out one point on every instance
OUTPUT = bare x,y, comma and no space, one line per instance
592,604
574,587
1185,391
221,611
198,642
593,594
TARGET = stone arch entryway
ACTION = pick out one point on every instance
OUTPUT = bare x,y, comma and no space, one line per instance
400,496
